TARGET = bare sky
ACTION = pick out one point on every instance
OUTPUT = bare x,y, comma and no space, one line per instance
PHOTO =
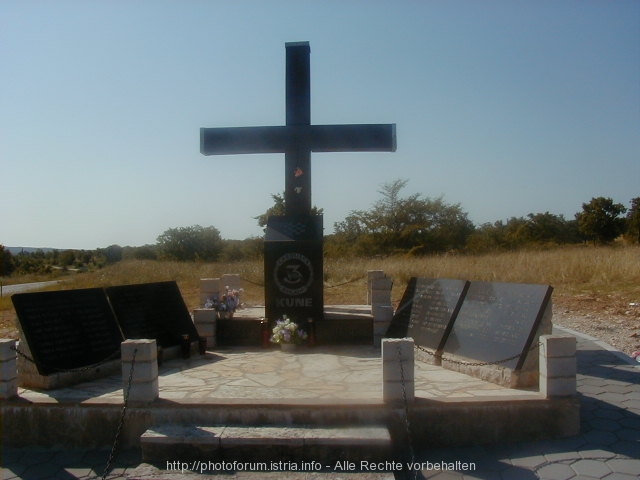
506,107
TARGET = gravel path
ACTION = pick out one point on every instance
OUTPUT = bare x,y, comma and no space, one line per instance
620,330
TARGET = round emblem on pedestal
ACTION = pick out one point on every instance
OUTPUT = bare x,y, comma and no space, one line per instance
293,274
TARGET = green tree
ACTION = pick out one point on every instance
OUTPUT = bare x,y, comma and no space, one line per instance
633,220
6,262
34,262
487,237
410,224
547,228
537,229
278,209
600,220
190,243
112,254
67,258
145,252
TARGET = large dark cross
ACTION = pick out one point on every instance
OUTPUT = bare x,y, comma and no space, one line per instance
298,138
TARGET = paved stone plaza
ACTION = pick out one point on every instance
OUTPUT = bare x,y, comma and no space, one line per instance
327,374
609,392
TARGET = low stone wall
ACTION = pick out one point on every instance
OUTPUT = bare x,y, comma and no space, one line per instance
442,422
454,423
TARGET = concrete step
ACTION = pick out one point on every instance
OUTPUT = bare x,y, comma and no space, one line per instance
202,446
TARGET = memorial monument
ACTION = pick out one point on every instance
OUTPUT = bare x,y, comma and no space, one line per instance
293,266
484,329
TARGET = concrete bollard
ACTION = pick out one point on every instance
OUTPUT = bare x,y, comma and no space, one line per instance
398,370
381,291
205,322
382,316
371,276
144,381
379,297
8,369
557,365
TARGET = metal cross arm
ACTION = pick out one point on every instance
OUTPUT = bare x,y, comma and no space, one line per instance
314,138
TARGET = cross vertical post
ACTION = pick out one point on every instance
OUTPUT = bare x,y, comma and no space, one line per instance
297,191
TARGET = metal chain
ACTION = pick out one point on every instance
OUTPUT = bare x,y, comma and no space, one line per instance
347,282
407,423
252,283
127,391
475,364
326,286
116,442
22,354
108,359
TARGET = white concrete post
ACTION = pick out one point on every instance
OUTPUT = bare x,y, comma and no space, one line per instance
381,291
379,297
144,381
382,316
205,321
372,275
8,369
398,370
557,365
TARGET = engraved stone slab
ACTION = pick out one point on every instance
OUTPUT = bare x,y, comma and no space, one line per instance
68,329
293,268
428,310
498,321
154,311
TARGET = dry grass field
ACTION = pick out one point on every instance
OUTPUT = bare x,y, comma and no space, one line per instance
596,289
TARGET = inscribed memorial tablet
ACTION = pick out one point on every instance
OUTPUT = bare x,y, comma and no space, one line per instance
427,311
152,310
498,321
68,329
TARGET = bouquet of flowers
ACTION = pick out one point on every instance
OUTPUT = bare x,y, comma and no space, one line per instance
287,331
228,304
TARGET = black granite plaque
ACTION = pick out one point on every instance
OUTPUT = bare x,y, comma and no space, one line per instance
427,311
152,310
293,268
497,321
68,329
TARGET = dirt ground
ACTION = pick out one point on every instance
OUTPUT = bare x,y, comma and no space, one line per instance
607,318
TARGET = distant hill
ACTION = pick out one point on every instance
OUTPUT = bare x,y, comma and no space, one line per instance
17,250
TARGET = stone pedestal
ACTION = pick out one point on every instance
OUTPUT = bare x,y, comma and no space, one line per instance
382,316
398,369
371,276
557,365
8,369
379,297
293,268
205,321
381,291
143,355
